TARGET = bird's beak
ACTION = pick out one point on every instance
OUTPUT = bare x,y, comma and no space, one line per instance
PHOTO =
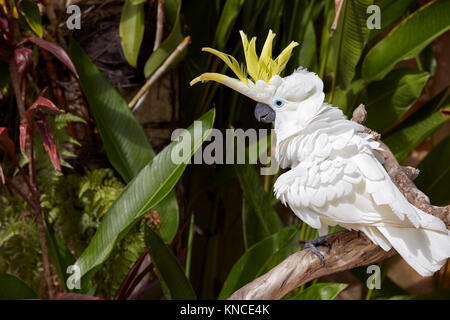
264,113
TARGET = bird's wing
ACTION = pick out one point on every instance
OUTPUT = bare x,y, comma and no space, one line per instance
349,187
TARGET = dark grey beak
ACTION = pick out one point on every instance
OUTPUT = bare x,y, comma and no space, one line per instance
264,113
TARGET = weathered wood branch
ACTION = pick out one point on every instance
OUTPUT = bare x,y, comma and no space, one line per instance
349,249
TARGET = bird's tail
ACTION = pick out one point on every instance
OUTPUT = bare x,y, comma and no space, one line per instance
426,248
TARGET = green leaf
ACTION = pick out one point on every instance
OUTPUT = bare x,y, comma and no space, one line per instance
250,263
407,39
258,199
390,12
145,191
167,46
387,100
434,177
415,129
321,291
350,39
125,141
131,29
14,289
282,253
30,11
170,273
60,255
227,19
346,99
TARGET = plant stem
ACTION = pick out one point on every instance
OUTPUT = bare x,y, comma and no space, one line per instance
189,246
133,104
40,222
36,206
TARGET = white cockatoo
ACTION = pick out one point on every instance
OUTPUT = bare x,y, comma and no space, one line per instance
336,174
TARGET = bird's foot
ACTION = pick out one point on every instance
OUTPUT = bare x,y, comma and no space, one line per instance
319,241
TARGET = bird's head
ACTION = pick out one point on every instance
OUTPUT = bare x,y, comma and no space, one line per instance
290,102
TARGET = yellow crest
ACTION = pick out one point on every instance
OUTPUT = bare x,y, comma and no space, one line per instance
262,68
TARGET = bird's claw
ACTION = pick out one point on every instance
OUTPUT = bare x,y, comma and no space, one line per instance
319,241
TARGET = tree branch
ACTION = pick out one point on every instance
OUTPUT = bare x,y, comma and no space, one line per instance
349,249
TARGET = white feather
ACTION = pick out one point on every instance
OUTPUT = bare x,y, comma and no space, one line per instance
337,176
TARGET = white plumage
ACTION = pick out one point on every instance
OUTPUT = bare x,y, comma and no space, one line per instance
337,177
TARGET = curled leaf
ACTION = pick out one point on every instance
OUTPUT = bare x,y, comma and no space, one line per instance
54,49
24,61
41,104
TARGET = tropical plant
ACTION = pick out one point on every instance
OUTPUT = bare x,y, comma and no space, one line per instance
123,225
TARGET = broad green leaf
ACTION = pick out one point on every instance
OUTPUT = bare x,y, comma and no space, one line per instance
387,100
407,39
258,199
168,45
170,273
434,177
131,30
124,139
60,255
14,289
349,39
145,191
414,130
321,291
390,12
230,12
30,11
250,263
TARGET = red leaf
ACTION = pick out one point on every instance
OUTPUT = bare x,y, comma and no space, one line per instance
56,50
6,144
41,104
24,61
23,140
75,296
49,143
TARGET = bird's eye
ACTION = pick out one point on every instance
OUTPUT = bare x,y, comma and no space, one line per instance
278,103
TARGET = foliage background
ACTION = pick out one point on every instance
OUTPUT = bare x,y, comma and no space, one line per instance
204,233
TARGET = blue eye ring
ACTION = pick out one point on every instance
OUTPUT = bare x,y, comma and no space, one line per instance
278,103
